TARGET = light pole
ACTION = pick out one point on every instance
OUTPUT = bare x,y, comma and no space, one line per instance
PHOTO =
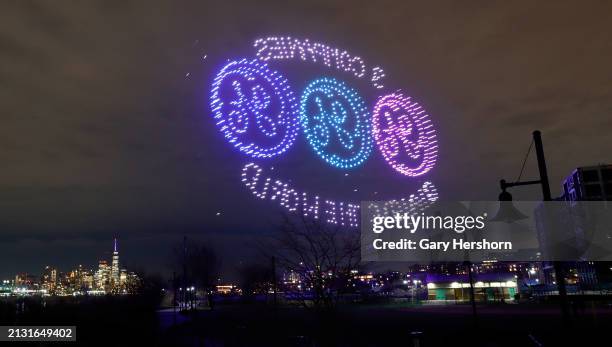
174,296
472,294
546,196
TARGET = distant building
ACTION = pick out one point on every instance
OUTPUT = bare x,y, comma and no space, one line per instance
6,288
115,267
589,183
123,275
292,280
133,283
77,280
107,279
225,289
487,287
25,280
102,276
49,279
88,280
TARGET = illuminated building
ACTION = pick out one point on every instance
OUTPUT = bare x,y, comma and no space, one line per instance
88,280
487,287
114,272
49,279
590,183
291,277
292,280
6,288
107,279
132,283
78,280
25,280
102,276
224,289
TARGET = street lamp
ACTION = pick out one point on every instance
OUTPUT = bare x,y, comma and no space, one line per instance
508,213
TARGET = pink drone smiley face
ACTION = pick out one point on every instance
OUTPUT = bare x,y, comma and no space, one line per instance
404,134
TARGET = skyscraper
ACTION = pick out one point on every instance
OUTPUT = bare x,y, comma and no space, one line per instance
49,279
102,275
115,266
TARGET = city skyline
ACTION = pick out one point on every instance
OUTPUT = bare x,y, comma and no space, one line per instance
322,173
106,279
110,131
162,263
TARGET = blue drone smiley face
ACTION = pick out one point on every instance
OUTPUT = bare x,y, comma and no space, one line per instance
336,123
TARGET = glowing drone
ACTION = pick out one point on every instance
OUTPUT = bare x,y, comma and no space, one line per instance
257,111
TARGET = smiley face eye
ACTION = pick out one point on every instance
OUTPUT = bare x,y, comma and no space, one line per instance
254,108
404,135
336,123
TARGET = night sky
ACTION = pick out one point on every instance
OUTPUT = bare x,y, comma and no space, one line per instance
106,128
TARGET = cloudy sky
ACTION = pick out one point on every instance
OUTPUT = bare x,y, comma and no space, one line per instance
106,128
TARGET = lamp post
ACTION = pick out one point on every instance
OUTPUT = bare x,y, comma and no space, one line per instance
546,196
472,294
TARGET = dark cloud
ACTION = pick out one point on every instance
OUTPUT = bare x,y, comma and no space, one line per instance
105,127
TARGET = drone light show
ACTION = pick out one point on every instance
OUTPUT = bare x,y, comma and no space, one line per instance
329,110
246,92
255,108
404,134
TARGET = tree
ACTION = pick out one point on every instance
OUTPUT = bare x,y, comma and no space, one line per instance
256,278
199,265
321,255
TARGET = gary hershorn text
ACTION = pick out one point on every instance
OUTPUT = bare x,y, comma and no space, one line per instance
455,244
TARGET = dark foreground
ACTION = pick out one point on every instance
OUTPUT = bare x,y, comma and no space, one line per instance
379,325
134,322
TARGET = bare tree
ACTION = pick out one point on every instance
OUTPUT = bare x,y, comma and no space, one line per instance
256,278
321,255
198,264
